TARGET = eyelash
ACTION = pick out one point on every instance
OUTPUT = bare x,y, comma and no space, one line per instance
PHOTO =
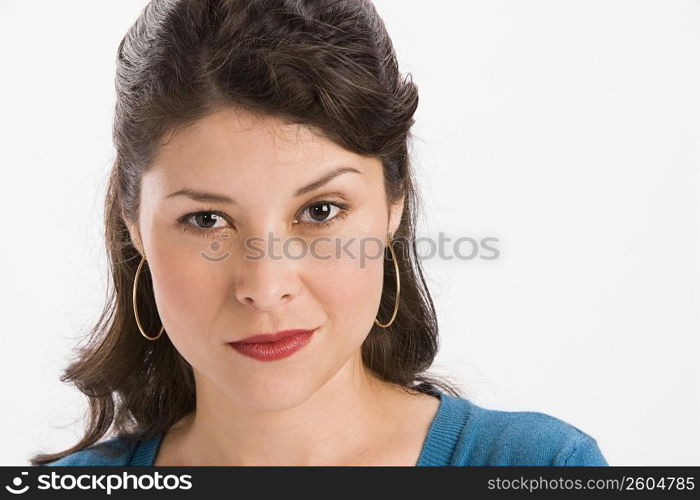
318,226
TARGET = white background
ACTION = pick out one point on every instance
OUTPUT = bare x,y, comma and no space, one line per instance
569,130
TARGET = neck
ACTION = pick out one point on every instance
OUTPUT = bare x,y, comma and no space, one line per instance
337,424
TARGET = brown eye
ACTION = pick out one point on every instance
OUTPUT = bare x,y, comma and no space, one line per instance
323,213
205,223
206,220
320,211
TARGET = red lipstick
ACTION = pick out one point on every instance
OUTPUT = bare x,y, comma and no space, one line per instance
269,347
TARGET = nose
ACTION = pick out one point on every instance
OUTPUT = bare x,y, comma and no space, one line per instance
266,283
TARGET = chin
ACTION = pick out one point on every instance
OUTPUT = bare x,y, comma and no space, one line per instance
273,395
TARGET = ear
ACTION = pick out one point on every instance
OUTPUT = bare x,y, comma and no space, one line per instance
135,236
395,214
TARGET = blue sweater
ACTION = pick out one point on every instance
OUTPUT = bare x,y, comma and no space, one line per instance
461,433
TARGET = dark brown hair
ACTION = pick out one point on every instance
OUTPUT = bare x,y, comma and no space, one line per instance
326,64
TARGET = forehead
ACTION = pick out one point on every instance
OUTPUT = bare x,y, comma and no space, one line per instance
239,141
251,158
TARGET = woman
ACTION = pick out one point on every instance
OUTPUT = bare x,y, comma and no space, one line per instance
268,307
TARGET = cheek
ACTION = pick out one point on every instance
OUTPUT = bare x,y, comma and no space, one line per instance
348,287
188,292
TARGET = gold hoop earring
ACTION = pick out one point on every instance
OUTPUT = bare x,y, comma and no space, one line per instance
398,289
133,299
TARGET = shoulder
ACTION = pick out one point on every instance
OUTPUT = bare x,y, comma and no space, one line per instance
116,451
498,437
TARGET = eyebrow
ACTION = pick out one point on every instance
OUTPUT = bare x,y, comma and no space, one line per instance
222,198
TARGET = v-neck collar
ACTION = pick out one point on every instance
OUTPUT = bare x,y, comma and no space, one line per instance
445,430
438,447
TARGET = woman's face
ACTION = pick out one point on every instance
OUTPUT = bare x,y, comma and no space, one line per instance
274,257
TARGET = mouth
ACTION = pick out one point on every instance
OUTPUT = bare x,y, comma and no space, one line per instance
269,347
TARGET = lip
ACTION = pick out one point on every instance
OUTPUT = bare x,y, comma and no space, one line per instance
269,347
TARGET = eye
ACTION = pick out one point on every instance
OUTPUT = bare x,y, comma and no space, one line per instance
211,222
205,222
324,213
